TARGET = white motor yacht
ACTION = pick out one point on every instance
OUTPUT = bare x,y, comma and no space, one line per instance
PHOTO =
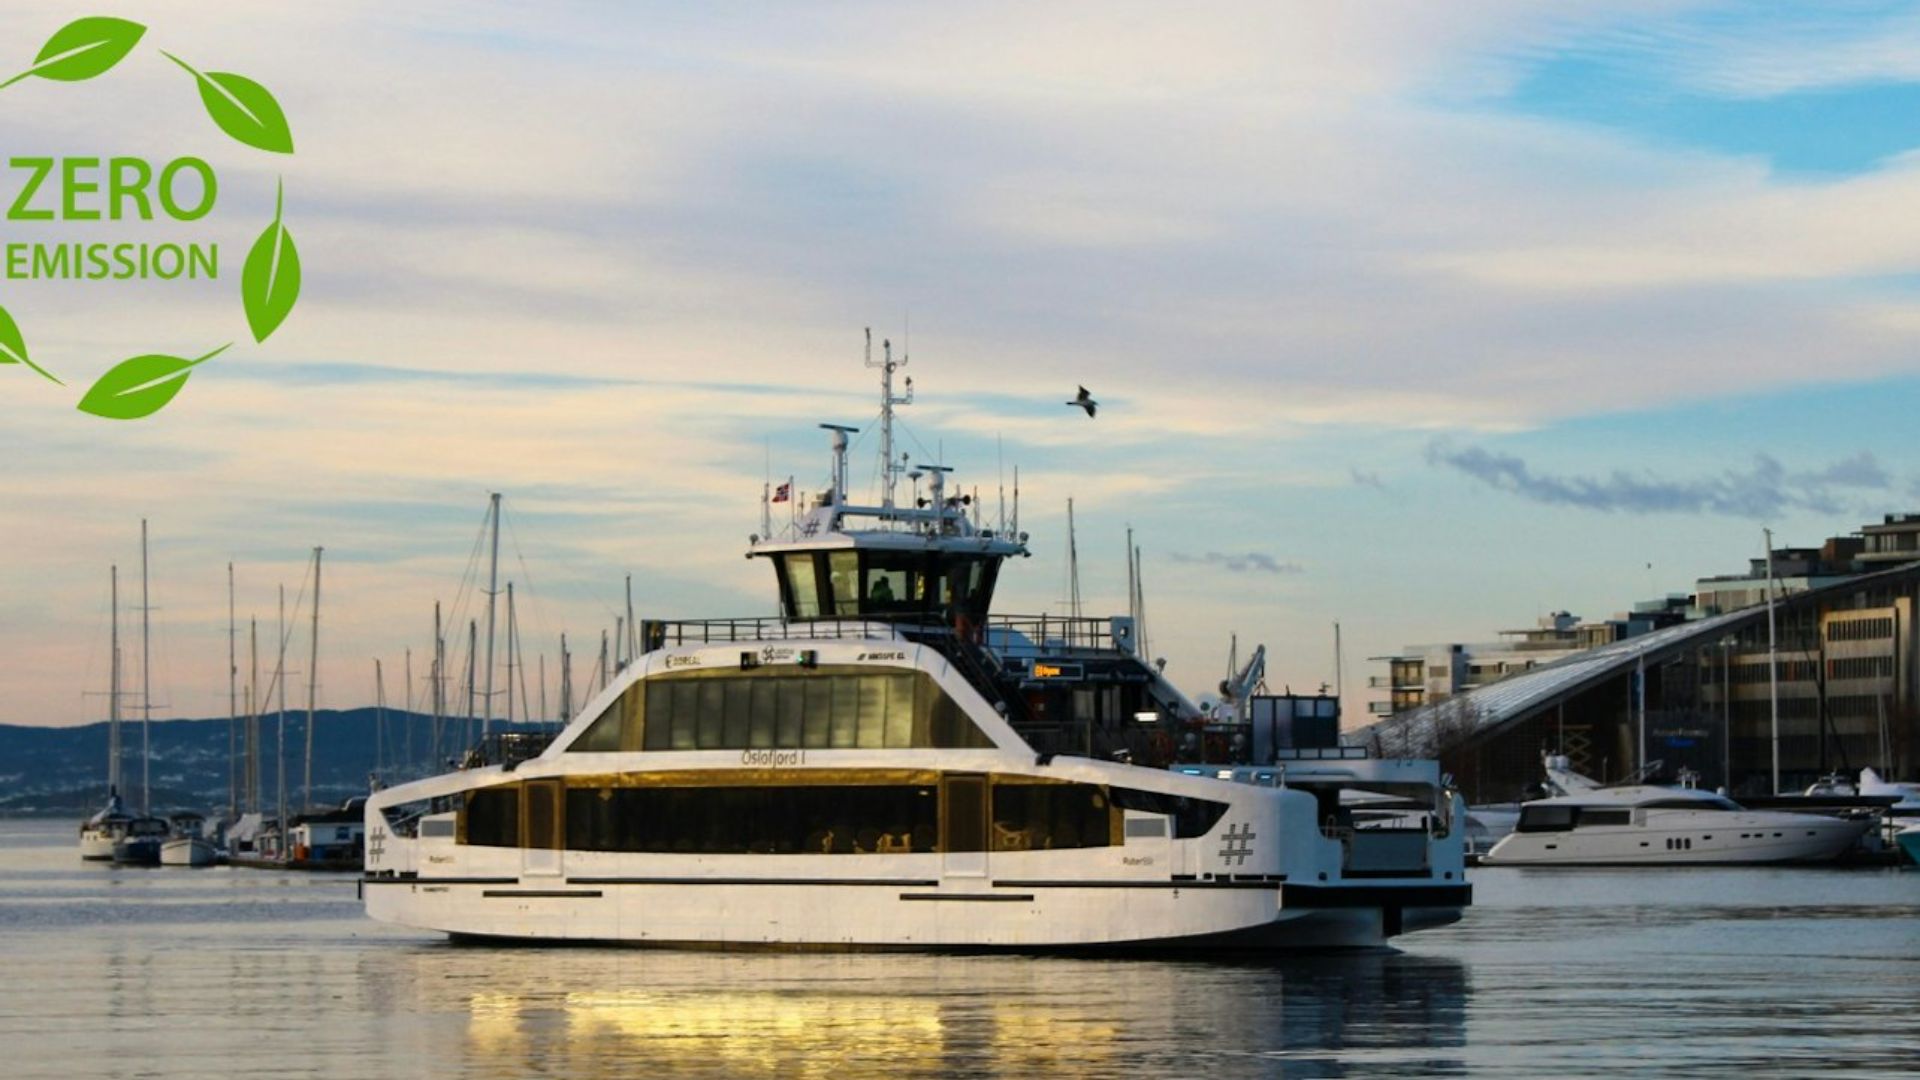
888,765
1657,825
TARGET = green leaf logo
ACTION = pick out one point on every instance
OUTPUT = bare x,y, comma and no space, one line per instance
270,281
82,49
242,108
141,386
13,347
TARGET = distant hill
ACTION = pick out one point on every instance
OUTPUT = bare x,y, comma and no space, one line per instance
63,771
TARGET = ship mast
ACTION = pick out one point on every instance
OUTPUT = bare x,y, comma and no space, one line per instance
890,468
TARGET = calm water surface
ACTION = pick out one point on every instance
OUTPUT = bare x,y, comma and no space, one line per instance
194,973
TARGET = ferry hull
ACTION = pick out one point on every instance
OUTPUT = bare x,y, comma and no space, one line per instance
915,915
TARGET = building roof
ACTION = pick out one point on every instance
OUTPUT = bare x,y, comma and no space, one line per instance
1429,729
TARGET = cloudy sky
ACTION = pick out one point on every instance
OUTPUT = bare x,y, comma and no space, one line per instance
1423,318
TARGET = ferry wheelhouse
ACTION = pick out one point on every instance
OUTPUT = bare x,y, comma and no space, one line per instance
890,764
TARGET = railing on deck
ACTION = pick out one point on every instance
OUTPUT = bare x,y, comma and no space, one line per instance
1057,633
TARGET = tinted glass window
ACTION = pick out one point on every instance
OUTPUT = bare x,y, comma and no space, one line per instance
1191,817
802,584
833,708
796,820
1031,817
492,816
1545,819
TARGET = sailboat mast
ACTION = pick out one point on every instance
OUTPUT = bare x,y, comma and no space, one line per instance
233,710
313,678
253,715
407,713
523,675
1073,564
633,632
113,697
146,685
566,682
439,679
473,645
379,718
1773,668
280,729
493,586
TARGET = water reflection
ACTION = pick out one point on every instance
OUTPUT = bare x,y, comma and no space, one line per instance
615,1012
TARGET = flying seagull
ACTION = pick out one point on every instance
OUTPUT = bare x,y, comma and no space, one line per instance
1085,401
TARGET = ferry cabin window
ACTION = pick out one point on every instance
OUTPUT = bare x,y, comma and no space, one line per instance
1033,817
768,710
492,817
798,820
841,819
1191,817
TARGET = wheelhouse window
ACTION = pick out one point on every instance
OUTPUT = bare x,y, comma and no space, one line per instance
803,586
916,585
768,708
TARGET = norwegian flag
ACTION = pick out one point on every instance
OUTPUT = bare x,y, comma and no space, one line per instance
783,492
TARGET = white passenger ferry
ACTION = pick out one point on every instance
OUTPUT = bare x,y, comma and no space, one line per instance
888,764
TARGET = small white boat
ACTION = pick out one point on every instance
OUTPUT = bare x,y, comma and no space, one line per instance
100,832
1638,824
188,846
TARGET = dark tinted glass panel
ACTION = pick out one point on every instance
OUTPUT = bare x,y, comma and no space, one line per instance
790,708
851,820
819,712
827,710
763,712
712,712
603,733
966,813
1545,819
1029,817
1191,817
543,823
1593,816
845,724
493,816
